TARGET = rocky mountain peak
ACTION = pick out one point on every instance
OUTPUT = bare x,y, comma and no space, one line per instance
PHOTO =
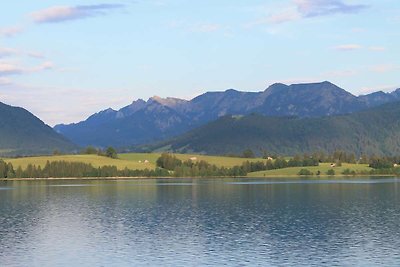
169,101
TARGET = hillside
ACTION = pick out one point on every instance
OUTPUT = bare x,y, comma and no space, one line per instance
160,118
373,131
21,133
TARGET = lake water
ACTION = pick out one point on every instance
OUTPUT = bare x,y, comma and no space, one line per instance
184,222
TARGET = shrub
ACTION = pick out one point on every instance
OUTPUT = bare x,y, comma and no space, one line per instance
111,153
330,172
304,172
168,161
348,172
381,163
248,153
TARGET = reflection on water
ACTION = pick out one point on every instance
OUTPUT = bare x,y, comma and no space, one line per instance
200,222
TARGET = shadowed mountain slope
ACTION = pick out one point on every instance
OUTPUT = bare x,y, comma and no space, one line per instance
21,133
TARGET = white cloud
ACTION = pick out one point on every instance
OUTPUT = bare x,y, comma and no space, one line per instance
352,47
284,16
206,28
197,27
6,52
314,8
348,47
377,48
358,30
11,52
48,65
8,69
64,13
301,9
4,81
10,31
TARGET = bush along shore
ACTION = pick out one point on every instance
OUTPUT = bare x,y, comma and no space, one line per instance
169,165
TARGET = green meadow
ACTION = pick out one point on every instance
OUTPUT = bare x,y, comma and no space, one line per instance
219,161
132,161
323,168
141,161
95,160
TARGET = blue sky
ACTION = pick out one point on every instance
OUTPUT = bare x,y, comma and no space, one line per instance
64,60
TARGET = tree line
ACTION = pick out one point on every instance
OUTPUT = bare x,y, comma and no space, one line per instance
203,169
91,150
61,169
337,157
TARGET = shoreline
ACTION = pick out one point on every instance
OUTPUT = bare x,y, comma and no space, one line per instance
187,178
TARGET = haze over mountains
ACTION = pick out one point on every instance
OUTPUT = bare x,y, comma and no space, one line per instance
160,118
21,133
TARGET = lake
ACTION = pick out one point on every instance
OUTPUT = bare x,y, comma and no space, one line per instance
199,222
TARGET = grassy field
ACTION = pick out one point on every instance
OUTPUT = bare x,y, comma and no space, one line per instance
323,168
216,160
96,161
130,160
148,161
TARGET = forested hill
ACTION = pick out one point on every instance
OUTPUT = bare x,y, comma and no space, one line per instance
21,133
373,131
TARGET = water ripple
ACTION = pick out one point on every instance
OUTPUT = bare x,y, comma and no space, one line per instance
201,222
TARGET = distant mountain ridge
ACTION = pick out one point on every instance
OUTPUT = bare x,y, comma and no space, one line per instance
21,133
160,118
372,131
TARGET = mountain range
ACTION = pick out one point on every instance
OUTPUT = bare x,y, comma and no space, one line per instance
372,131
161,118
21,133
